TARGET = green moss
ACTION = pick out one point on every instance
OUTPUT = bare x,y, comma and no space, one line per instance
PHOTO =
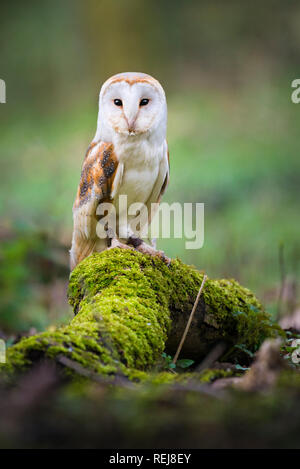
236,311
230,308
210,375
124,302
79,343
122,317
166,377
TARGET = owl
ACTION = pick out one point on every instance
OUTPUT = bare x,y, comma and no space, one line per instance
127,157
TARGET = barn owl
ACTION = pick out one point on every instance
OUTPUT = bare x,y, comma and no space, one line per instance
128,156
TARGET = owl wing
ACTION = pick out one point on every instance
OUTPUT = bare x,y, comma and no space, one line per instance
160,185
100,178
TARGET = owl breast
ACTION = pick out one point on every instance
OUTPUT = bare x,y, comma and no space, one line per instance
141,165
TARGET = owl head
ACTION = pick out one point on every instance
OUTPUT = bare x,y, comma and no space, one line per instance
131,105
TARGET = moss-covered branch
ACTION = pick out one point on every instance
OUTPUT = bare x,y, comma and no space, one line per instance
130,307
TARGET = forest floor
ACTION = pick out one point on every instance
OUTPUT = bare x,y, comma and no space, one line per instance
250,402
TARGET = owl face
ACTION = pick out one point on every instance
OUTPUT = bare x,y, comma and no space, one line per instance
131,105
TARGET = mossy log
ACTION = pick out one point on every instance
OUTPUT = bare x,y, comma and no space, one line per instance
130,307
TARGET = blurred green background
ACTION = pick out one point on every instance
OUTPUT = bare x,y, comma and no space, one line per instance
233,136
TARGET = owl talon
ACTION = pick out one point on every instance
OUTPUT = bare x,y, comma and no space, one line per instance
146,249
164,258
115,243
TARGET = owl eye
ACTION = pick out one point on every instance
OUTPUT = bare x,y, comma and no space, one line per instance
144,102
118,102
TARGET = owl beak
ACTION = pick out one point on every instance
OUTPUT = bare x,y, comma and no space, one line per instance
131,129
131,126
130,119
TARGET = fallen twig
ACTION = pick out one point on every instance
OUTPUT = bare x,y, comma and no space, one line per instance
189,321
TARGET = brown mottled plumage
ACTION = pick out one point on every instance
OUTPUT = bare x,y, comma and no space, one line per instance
97,175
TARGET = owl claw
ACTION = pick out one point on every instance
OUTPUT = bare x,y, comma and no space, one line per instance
143,248
115,243
163,257
146,249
